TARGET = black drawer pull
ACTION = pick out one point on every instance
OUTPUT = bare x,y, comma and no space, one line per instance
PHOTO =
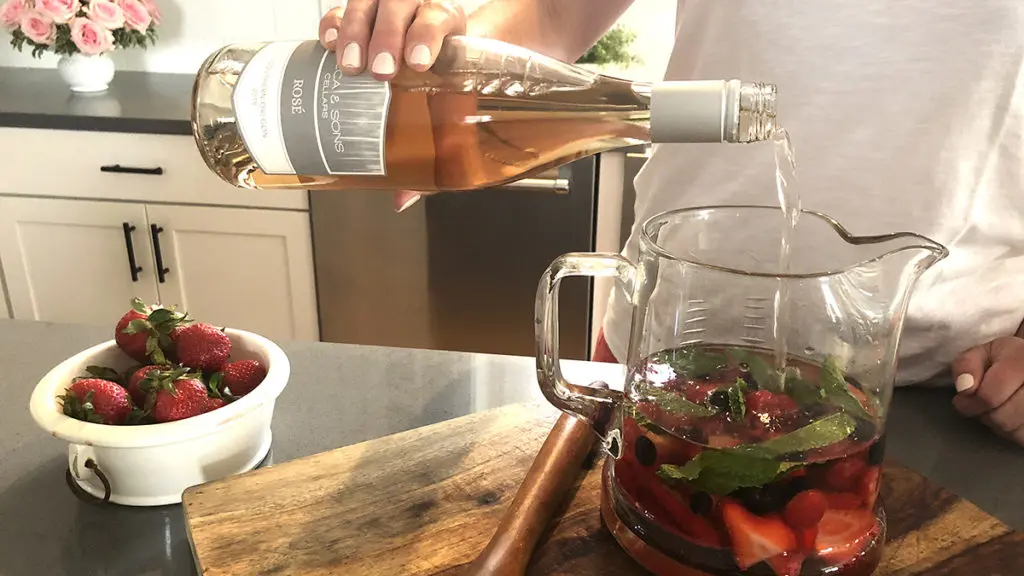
161,272
130,246
117,168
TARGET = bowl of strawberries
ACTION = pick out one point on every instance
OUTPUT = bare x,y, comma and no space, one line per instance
169,403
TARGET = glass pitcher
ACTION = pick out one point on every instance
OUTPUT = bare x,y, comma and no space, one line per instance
749,435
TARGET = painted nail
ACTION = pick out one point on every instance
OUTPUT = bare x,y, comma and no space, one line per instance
964,382
384,63
420,55
408,203
330,36
351,57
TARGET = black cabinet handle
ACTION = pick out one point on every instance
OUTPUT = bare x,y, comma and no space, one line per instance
129,245
161,272
130,170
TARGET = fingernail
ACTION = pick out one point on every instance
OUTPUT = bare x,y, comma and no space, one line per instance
408,203
964,382
330,36
420,55
384,63
351,58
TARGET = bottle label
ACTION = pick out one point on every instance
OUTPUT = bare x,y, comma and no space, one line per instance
299,114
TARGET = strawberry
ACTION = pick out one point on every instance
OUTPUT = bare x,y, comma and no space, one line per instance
202,347
755,538
135,388
98,401
805,539
239,378
844,475
843,535
213,403
699,392
143,333
179,395
769,403
805,509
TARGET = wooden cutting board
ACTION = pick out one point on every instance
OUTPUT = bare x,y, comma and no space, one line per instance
425,502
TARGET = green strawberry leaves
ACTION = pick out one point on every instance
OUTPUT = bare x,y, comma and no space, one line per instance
157,325
80,409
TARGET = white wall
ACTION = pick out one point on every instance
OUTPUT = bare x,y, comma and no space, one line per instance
192,29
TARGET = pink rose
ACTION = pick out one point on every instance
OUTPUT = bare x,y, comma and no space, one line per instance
153,10
105,13
90,37
38,27
135,15
60,11
11,13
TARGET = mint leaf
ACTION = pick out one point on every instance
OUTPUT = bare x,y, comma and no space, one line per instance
818,434
737,404
693,362
837,391
725,471
761,370
804,392
676,404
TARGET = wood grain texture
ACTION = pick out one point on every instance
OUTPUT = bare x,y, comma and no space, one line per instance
425,503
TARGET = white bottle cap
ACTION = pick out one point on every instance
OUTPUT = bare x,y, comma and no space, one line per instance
691,111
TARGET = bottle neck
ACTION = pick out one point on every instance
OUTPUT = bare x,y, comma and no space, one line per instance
709,110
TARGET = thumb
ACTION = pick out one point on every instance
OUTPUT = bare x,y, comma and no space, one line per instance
969,367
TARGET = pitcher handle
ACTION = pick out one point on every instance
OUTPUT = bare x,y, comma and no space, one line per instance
585,402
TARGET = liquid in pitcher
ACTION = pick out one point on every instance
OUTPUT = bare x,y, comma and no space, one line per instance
732,467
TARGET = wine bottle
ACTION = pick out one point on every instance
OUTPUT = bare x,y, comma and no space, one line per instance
282,115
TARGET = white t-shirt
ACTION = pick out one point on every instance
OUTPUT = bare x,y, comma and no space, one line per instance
905,116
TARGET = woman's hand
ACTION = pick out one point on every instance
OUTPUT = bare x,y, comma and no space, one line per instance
384,35
990,385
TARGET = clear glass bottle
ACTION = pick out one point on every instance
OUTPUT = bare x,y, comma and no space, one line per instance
282,115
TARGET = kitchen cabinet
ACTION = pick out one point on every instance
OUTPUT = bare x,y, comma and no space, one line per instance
250,269
72,261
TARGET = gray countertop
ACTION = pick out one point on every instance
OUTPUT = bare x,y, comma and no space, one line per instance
339,395
137,102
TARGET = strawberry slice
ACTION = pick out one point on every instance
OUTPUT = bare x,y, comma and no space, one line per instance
844,534
695,527
805,539
699,392
869,486
755,538
787,563
765,402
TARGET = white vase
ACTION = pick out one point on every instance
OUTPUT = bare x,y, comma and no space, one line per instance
86,73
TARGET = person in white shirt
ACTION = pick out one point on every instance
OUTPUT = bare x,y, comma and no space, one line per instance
907,116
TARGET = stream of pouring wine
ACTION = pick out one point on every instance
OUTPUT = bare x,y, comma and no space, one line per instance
789,200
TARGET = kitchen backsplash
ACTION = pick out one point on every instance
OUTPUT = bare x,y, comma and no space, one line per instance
192,29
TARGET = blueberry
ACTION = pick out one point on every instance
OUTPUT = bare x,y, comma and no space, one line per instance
719,399
701,503
646,451
763,500
876,454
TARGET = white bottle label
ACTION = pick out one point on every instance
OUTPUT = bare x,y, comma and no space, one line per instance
299,114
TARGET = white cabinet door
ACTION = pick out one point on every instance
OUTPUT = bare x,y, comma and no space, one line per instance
246,269
4,311
67,260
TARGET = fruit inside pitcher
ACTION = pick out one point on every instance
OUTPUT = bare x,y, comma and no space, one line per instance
730,467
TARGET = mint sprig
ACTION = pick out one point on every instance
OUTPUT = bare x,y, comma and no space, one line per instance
837,392
763,373
737,403
722,471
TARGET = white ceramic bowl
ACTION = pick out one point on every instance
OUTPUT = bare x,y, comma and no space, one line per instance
152,465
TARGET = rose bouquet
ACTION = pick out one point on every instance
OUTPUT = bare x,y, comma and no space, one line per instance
88,27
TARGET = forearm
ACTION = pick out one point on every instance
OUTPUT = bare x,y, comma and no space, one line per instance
562,29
